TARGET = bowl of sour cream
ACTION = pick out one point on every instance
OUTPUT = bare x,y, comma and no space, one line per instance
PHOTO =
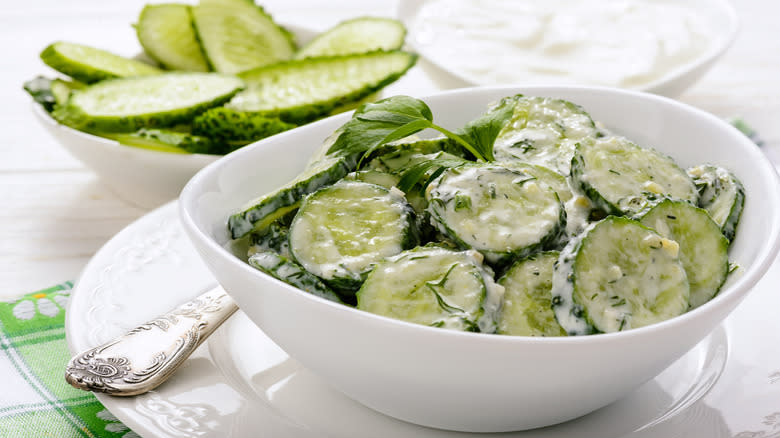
659,47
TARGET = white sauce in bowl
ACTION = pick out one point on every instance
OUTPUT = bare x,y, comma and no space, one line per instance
625,43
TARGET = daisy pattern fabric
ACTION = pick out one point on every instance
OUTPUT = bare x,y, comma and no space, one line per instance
35,400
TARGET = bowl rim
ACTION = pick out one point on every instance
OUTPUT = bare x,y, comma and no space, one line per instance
732,294
406,11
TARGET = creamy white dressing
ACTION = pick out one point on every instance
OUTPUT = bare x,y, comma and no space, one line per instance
625,43
517,215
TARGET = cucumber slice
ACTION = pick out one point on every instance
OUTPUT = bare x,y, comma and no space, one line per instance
341,231
721,194
618,275
434,286
261,212
544,131
303,90
373,176
62,89
225,124
500,212
527,306
703,248
166,33
273,239
285,270
125,105
358,35
622,178
88,64
166,141
238,35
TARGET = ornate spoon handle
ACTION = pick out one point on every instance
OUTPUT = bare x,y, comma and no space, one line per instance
146,356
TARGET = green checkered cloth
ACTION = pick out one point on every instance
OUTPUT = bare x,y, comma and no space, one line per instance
35,400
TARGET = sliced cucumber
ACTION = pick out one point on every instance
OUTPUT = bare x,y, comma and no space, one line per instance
721,194
285,270
62,89
624,179
303,90
261,212
703,248
167,141
273,239
434,286
225,124
358,35
527,306
500,212
88,64
374,176
544,131
618,275
238,35
167,35
341,231
125,105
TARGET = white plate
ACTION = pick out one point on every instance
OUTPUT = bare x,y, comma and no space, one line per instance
240,384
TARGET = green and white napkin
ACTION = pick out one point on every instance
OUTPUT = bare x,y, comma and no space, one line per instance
35,400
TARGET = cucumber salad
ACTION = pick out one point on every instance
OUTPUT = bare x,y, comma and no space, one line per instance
531,220
218,75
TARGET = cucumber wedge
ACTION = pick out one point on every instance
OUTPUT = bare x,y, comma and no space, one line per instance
261,212
127,104
358,35
434,286
618,275
302,90
286,270
502,213
89,65
341,231
225,124
51,93
237,35
703,248
165,32
527,307
622,178
721,194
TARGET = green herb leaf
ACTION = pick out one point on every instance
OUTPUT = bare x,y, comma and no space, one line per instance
414,174
375,124
378,123
483,131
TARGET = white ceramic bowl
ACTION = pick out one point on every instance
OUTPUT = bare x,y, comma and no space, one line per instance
144,177
719,13
478,382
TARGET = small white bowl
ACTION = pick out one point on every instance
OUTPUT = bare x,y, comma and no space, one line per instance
145,177
469,381
720,14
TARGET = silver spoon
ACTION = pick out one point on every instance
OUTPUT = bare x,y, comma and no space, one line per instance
143,358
